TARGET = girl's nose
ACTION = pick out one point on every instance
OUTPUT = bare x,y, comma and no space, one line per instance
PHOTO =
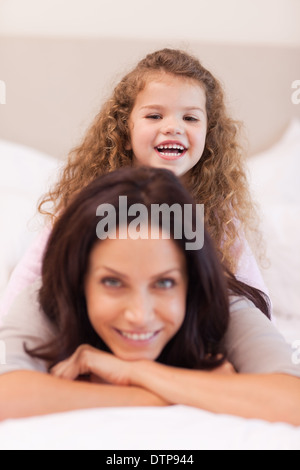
173,127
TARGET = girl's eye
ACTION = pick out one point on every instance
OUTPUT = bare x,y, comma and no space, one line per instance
165,283
111,282
153,116
191,119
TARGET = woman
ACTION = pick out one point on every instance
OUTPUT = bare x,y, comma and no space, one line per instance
143,319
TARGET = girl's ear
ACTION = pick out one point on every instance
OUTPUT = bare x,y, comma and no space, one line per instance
128,145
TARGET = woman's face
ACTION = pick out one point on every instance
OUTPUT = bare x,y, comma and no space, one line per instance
168,124
136,295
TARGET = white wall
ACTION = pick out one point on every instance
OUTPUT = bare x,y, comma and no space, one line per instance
230,21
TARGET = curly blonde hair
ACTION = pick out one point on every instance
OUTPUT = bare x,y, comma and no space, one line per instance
218,180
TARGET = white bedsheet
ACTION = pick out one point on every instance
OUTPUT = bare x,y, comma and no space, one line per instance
171,428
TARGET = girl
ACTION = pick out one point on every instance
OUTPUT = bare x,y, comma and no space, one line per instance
168,112
145,318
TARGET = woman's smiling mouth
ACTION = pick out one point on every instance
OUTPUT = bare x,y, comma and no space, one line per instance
138,337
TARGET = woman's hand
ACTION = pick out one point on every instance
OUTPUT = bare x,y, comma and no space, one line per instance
87,360
226,368
104,367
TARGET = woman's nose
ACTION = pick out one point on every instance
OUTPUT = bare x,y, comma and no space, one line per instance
139,310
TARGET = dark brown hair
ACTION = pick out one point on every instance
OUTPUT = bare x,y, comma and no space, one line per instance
198,343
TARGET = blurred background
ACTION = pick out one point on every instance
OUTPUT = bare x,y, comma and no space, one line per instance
59,59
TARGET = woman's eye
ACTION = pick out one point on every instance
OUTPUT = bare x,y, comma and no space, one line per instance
111,282
165,283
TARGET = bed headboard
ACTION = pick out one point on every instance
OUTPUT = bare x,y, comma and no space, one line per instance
54,86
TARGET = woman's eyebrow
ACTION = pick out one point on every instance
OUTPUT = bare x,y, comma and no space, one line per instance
111,270
125,276
165,273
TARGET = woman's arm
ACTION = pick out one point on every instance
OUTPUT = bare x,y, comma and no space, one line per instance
30,393
271,397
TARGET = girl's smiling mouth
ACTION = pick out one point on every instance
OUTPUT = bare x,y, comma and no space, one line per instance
171,150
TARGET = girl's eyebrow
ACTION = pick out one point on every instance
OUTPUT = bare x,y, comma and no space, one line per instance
152,106
194,108
185,108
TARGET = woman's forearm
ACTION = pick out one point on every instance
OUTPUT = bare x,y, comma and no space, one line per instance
26,393
274,397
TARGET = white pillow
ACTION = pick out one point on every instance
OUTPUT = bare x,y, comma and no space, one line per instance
274,180
25,175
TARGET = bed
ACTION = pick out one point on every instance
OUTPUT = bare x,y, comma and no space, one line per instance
31,153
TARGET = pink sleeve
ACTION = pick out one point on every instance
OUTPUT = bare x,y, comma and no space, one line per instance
26,272
247,269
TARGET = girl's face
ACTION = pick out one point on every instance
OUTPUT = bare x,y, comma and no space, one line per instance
136,295
168,124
